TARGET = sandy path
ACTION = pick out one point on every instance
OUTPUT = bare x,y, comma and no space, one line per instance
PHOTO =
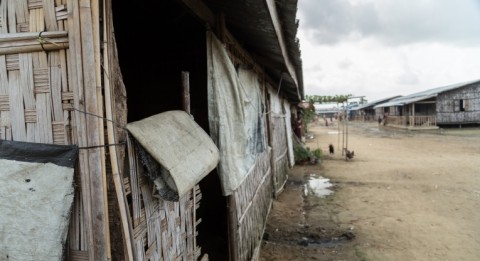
407,196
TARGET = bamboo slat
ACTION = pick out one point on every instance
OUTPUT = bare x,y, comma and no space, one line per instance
34,4
16,112
95,20
3,17
4,103
50,15
55,84
11,17
94,129
112,138
76,84
165,230
76,255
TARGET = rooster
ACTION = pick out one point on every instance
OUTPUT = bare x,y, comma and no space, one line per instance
349,154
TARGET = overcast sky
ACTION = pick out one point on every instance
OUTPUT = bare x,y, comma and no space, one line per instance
383,48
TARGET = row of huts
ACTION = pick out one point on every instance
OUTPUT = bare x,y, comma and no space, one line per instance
453,105
111,82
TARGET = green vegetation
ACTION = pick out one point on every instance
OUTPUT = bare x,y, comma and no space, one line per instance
304,154
326,98
308,115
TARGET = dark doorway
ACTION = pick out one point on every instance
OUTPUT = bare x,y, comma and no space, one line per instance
156,41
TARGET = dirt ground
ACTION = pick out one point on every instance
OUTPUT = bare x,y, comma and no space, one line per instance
406,195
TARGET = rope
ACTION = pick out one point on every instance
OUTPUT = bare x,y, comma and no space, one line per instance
101,117
43,41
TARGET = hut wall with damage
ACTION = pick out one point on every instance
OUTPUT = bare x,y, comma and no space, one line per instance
62,81
459,106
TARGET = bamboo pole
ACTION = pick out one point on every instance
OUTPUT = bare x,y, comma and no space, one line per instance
111,136
94,130
13,37
98,84
33,48
76,71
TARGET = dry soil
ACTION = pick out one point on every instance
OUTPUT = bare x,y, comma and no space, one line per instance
406,195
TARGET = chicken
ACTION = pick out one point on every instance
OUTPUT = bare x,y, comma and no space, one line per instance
331,149
349,154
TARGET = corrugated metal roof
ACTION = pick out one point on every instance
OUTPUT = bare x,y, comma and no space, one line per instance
423,95
373,103
251,24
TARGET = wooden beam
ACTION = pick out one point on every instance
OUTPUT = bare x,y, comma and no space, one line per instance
200,10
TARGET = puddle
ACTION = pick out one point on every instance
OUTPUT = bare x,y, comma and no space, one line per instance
333,132
317,186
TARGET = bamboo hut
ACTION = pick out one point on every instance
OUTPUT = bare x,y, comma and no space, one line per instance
455,104
76,72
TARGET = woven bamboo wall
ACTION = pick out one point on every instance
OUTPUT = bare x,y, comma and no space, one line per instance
280,151
252,201
162,230
49,72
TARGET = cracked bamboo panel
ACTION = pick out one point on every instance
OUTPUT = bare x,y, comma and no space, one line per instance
162,230
5,122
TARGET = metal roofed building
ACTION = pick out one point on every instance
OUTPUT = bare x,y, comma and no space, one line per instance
367,111
454,104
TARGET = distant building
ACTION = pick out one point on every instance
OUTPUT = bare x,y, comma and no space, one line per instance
366,111
456,104
326,109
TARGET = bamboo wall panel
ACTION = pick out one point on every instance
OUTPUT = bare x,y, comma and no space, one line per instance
162,230
280,151
42,86
448,106
252,201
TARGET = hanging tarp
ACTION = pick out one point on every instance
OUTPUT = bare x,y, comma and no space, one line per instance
36,194
235,115
175,150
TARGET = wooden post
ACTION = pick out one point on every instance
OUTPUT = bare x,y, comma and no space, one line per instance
186,91
413,112
221,29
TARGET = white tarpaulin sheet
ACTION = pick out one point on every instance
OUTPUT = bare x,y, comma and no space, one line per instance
235,115
36,195
182,148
